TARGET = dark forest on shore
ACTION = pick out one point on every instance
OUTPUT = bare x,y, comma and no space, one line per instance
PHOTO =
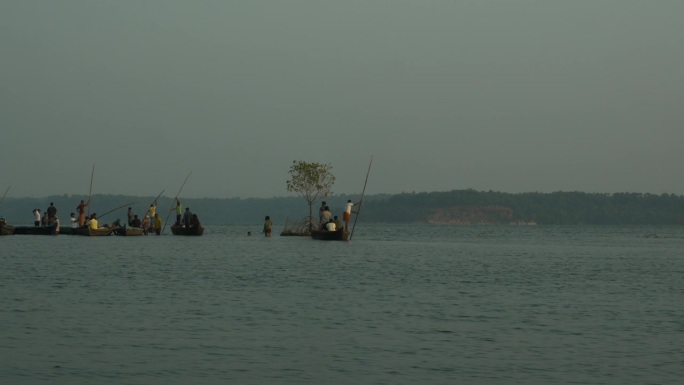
455,207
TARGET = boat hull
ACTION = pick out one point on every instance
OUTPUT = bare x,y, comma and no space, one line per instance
88,232
180,230
338,235
6,229
36,230
128,231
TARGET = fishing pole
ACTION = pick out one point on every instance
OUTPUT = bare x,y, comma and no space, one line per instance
176,198
358,211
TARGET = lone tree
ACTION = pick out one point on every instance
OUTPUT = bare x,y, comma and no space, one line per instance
312,180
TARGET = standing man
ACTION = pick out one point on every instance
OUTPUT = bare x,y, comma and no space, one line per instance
346,216
36,217
153,209
179,212
51,213
326,216
145,225
268,225
81,212
157,224
321,209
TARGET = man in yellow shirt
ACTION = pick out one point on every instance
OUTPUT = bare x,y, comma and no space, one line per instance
92,223
179,212
157,224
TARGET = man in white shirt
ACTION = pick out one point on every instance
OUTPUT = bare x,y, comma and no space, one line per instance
346,216
330,226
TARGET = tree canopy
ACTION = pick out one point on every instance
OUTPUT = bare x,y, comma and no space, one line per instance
312,180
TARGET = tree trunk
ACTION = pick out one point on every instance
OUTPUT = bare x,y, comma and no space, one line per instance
311,226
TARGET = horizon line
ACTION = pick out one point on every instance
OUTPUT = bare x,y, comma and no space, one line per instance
352,194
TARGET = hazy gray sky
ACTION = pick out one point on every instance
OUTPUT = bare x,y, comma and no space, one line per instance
512,96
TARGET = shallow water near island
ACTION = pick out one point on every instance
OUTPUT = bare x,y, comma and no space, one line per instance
398,304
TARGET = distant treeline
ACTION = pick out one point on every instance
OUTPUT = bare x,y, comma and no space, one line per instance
19,211
457,206
541,208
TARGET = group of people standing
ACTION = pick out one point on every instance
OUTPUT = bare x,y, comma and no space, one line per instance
47,218
328,222
150,222
185,219
91,220
153,222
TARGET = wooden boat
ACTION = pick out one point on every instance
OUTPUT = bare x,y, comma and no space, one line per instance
129,231
36,230
337,235
182,230
87,231
342,234
66,230
6,229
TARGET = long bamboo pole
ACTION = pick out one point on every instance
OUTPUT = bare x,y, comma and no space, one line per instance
153,202
174,199
90,191
4,195
112,210
358,211
148,210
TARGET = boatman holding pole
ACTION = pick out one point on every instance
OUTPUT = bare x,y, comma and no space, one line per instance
346,216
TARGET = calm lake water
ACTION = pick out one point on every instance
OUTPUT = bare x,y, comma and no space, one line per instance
399,304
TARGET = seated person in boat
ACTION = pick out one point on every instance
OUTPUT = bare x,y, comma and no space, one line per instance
194,221
330,226
187,217
92,222
136,221
338,222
